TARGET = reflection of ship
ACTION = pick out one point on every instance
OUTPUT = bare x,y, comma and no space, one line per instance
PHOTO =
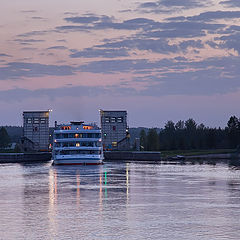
77,144
77,182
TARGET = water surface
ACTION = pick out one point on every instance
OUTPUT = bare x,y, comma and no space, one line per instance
119,201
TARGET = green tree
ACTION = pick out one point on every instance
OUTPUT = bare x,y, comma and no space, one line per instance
170,135
190,125
143,140
179,125
233,127
191,133
180,135
152,140
4,138
211,138
169,127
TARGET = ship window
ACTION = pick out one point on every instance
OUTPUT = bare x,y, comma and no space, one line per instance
58,136
71,144
71,135
76,135
113,119
65,145
77,144
119,119
89,135
114,144
65,135
97,135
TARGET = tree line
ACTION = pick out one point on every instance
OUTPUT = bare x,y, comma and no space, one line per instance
4,138
188,135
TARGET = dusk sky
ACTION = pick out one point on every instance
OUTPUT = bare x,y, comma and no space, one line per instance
159,60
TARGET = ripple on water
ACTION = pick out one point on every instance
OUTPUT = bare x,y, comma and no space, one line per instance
119,201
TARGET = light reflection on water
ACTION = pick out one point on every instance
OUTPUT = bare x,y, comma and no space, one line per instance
119,201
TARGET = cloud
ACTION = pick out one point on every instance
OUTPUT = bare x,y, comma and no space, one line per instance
231,3
162,6
230,42
213,76
38,18
29,11
209,16
17,70
105,22
114,66
57,48
34,33
167,77
162,77
126,65
28,49
172,28
19,94
28,41
147,44
83,20
61,40
4,55
96,52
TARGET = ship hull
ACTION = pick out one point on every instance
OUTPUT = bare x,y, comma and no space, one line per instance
77,162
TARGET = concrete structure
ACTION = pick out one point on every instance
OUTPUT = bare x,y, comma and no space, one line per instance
36,129
114,130
26,145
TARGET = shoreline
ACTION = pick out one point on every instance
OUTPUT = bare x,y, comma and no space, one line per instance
114,156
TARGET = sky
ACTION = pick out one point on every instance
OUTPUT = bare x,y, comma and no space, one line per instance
159,60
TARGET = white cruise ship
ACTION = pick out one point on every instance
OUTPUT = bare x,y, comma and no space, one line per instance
77,144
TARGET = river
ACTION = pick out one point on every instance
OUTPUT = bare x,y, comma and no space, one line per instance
119,201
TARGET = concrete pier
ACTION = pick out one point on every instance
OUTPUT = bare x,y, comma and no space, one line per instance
131,156
25,157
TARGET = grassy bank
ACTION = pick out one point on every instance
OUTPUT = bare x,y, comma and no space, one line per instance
196,152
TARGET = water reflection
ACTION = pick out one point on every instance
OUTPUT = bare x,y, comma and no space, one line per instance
119,201
52,211
80,181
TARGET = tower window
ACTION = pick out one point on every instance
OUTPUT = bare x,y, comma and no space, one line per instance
113,119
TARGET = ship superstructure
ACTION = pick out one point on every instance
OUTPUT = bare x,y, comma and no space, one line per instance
77,144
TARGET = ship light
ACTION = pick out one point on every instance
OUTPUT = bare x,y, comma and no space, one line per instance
87,127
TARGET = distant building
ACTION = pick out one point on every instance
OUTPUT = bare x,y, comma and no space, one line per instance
36,129
114,130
